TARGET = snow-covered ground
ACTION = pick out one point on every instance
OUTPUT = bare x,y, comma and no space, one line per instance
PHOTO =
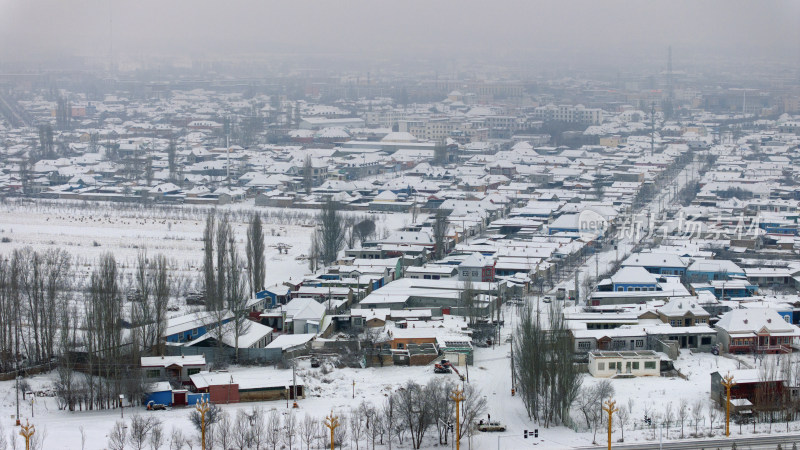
88,230
491,373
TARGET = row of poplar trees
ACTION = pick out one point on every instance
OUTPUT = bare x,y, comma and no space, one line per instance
229,281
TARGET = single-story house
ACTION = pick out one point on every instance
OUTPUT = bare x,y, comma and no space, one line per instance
610,364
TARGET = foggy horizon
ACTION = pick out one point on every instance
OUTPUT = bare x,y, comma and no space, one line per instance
576,33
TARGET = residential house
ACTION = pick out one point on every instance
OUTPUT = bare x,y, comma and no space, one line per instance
658,263
683,312
249,386
713,269
634,279
756,330
611,364
476,268
172,368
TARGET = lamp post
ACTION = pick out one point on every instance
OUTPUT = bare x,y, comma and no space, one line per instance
457,396
27,431
331,422
728,382
121,407
610,409
202,408
354,388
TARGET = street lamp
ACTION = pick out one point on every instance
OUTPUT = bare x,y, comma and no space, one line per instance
610,409
27,431
457,396
728,383
202,408
121,406
331,422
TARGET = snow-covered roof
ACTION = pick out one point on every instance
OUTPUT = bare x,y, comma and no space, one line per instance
754,320
247,380
166,361
633,275
680,306
287,341
654,260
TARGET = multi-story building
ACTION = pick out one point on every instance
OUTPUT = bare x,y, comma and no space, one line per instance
569,113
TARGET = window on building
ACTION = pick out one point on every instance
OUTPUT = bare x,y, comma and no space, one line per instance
465,273
601,366
649,364
612,366
635,365
474,273
584,345
620,289
705,340
153,373
192,371
400,345
639,343
195,331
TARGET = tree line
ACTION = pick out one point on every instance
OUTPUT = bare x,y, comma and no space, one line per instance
407,416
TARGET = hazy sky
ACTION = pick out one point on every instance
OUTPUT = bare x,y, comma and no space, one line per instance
34,29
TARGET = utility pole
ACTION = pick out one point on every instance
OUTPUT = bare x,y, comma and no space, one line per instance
728,383
610,409
458,397
512,367
331,422
294,383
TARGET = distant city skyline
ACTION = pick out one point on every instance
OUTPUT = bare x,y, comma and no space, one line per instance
566,33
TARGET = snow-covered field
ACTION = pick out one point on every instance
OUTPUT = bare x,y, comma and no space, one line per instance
88,230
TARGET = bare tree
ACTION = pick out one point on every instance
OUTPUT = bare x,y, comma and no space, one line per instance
140,429
290,424
235,296
440,229
255,254
308,174
241,431
176,439
225,431
623,417
545,374
357,426
273,429
697,413
37,440
171,159
683,413
157,438
669,416
414,410
473,406
308,430
364,229
440,153
117,436
331,232
712,415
